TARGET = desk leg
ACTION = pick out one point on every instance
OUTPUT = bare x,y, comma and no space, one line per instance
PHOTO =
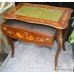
0,48
64,37
12,44
60,43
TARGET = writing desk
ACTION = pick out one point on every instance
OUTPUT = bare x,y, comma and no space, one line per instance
56,17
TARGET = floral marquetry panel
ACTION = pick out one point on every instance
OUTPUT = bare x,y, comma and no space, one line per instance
29,32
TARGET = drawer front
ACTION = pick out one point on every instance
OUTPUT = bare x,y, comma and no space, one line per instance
25,35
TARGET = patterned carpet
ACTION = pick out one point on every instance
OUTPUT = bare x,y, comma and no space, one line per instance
31,58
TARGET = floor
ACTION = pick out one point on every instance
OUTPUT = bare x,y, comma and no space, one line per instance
31,58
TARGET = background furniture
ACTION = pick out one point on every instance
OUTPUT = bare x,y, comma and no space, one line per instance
71,38
5,6
60,22
5,47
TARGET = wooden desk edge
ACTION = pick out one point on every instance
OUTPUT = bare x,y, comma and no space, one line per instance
61,24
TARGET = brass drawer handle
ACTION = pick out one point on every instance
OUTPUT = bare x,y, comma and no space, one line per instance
47,39
26,33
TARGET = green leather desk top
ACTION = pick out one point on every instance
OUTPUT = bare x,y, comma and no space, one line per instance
41,13
56,17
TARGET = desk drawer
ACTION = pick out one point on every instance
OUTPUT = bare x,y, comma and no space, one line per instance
26,35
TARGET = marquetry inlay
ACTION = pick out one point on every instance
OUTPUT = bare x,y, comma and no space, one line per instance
41,40
19,35
30,38
4,28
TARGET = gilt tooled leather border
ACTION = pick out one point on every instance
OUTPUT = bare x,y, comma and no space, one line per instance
61,24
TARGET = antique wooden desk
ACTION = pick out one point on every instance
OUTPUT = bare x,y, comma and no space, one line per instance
37,16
